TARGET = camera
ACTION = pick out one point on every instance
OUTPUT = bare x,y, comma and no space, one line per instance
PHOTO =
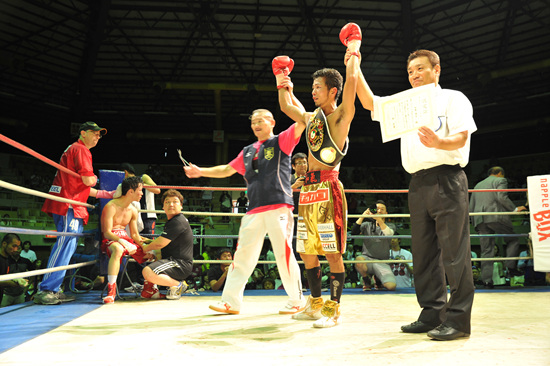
373,210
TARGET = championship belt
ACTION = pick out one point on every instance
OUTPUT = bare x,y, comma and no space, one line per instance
320,143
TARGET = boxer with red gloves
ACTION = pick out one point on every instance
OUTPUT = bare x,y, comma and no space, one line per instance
322,209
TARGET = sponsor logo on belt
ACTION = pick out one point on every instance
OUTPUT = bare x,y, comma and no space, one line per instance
320,195
55,189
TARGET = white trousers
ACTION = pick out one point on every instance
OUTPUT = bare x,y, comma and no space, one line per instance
279,225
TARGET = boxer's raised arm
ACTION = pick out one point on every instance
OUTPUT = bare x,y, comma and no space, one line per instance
295,113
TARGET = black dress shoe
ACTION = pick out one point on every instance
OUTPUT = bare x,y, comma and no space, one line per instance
488,285
417,327
446,333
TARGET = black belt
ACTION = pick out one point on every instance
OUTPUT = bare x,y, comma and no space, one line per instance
318,176
437,169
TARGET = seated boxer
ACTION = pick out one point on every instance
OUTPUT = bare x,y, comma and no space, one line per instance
116,243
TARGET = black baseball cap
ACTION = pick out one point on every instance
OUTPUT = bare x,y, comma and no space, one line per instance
86,126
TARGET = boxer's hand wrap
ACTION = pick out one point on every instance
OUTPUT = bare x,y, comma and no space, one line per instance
282,66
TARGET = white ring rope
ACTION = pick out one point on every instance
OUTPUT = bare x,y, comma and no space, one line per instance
32,192
10,229
205,213
37,272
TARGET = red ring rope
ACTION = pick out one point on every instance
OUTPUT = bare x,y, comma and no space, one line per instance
21,147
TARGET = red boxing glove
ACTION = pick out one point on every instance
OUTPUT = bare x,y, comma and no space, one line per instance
350,32
282,64
104,194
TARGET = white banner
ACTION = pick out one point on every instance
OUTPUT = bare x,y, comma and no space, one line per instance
539,209
406,112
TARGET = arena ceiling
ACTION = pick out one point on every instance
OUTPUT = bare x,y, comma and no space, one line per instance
162,75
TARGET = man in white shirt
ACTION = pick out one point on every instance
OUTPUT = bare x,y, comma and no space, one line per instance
402,271
438,203
27,252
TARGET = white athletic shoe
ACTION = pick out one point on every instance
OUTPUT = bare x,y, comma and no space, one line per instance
174,292
134,288
289,309
331,315
312,310
223,307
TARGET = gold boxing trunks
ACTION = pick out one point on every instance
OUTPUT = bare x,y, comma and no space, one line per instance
322,214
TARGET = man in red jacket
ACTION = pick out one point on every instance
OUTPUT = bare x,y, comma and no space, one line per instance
68,217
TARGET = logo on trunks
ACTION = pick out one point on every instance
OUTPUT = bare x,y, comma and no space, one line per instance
269,153
301,235
301,226
327,236
55,189
325,227
329,247
320,195
300,246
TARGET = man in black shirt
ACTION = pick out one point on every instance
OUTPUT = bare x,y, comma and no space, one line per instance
176,246
299,164
218,272
14,291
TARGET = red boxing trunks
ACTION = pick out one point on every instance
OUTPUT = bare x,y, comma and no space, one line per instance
122,234
322,214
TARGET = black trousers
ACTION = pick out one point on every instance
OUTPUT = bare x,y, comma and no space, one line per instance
440,229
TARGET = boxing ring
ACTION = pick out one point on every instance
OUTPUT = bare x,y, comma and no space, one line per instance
508,326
